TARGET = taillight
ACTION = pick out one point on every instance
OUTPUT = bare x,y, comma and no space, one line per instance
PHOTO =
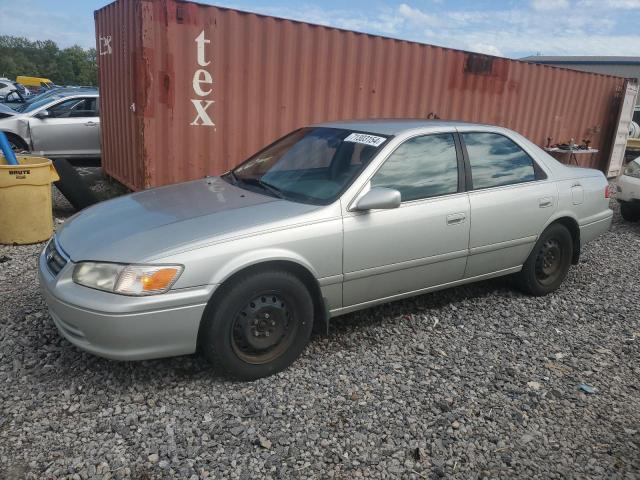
607,191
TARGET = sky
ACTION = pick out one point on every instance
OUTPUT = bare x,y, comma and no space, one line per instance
511,28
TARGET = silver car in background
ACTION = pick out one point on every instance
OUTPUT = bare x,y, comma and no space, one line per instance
62,123
330,219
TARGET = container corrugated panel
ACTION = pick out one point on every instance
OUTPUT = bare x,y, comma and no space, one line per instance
119,53
189,90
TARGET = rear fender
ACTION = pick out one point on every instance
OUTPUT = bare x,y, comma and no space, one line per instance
569,220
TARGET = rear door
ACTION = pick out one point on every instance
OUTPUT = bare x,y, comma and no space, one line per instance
511,200
72,129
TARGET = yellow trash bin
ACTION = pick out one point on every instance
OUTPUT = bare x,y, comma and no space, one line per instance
25,200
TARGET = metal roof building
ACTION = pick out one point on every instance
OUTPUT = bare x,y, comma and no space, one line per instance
627,67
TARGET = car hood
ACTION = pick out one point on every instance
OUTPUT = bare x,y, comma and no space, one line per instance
155,223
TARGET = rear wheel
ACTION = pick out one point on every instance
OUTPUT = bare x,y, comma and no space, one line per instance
258,325
630,211
548,263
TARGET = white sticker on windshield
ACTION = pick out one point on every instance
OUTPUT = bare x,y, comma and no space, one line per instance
365,139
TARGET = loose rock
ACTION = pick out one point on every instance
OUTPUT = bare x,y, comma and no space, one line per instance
410,389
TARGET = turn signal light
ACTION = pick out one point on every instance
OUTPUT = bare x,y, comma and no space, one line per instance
158,280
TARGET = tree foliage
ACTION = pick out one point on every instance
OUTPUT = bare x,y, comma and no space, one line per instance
43,58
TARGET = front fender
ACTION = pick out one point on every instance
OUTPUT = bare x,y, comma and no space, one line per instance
256,257
18,127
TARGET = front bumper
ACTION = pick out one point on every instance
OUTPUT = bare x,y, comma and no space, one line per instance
121,327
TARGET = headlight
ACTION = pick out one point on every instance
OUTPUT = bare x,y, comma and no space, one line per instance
135,280
633,169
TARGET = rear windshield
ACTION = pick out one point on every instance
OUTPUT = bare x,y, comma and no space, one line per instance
311,165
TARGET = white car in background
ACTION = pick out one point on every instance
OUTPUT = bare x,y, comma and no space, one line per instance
64,124
628,186
7,86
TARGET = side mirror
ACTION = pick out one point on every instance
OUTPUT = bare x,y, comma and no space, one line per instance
42,114
379,198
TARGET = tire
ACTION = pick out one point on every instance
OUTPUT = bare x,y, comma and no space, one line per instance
629,211
17,144
548,263
234,334
72,185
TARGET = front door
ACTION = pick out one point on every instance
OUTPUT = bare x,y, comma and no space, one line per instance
422,243
72,129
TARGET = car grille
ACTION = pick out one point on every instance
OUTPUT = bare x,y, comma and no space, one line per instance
54,257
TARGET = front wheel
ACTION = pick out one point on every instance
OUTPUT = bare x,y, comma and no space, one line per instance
258,325
630,211
548,263
16,144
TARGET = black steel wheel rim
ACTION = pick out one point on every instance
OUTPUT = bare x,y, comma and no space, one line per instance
549,262
263,329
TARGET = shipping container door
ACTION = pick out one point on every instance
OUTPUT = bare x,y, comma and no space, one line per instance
622,133
118,32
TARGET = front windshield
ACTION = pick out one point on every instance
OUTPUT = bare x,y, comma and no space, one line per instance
312,165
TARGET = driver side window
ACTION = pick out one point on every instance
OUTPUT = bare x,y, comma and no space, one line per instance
422,167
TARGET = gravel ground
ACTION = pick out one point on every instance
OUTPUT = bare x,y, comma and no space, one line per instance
475,382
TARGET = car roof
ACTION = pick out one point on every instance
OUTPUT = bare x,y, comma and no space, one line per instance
394,126
60,94
72,90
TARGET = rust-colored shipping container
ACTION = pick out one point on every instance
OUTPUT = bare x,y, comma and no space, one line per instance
188,90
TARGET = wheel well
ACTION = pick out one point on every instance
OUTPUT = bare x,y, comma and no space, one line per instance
17,139
320,317
574,230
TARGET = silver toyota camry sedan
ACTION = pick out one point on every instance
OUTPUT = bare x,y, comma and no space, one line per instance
327,220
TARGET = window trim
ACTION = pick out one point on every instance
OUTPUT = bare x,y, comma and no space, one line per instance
540,174
459,164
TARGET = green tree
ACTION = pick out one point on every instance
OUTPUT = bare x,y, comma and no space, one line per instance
43,58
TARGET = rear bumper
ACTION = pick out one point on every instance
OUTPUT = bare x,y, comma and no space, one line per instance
120,327
595,228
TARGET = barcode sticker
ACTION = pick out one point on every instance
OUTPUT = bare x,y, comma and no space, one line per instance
372,140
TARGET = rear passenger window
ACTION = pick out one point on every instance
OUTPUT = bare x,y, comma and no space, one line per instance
496,160
421,167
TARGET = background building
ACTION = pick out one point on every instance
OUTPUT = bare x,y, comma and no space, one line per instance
627,67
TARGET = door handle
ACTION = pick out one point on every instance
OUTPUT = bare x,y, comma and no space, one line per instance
456,218
545,202
91,123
